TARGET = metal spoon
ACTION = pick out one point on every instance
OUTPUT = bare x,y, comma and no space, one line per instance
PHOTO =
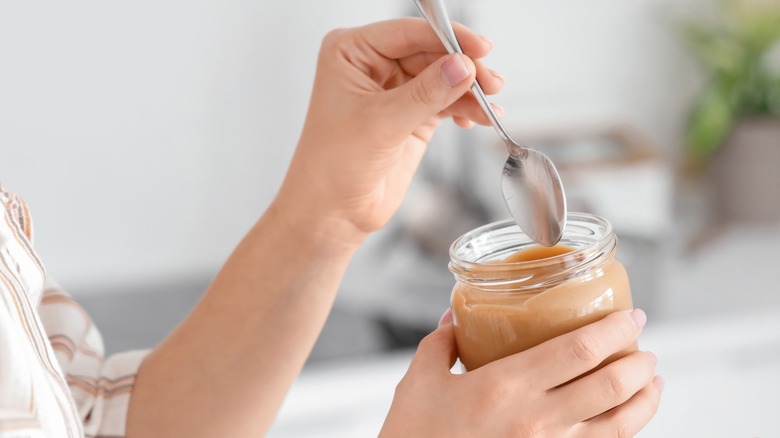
532,188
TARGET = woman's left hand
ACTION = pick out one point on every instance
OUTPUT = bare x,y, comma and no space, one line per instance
379,93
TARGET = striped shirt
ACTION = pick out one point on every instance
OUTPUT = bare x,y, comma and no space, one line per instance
54,378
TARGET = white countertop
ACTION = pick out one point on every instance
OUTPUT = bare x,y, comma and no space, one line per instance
722,380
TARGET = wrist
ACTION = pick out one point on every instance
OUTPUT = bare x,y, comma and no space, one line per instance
314,224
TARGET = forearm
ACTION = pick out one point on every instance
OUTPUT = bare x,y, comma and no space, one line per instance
375,103
225,370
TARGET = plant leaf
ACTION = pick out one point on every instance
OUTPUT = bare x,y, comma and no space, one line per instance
711,121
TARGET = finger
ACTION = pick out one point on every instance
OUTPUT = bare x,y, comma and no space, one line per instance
630,417
467,108
463,123
606,388
403,37
428,94
577,352
491,81
446,318
437,352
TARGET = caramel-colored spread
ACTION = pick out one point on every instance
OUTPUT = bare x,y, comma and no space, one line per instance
537,253
491,324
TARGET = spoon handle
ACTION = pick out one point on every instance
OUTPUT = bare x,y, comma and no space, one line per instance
436,15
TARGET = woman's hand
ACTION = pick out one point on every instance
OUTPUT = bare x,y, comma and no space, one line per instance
527,394
379,93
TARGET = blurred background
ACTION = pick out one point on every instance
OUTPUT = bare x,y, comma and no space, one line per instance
170,123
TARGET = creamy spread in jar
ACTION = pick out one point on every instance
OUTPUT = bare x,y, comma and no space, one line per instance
512,294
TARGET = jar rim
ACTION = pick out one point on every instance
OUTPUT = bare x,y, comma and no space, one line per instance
605,240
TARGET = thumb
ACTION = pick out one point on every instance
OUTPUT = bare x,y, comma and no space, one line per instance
433,90
437,351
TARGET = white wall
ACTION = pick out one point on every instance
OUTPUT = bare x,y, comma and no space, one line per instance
576,62
136,124
168,123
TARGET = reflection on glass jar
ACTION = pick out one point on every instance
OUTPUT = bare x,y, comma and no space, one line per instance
510,294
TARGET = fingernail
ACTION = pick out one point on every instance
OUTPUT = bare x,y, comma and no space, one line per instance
498,109
454,71
659,383
487,40
639,317
497,75
446,318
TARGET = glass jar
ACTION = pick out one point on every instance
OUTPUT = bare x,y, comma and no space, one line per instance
501,307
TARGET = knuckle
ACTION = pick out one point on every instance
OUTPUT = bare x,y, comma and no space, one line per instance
618,386
584,348
334,38
626,421
422,94
627,329
494,395
621,428
528,429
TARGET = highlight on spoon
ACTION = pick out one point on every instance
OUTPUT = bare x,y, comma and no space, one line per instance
535,197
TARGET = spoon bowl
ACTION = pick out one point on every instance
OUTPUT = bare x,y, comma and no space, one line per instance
530,183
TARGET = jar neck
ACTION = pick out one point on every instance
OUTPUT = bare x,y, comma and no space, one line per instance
482,267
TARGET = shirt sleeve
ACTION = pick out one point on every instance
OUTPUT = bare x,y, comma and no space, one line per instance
35,400
39,383
17,419
100,386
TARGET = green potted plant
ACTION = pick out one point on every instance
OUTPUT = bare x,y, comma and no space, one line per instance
735,124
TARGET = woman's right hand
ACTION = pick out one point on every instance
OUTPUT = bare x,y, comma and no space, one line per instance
527,394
